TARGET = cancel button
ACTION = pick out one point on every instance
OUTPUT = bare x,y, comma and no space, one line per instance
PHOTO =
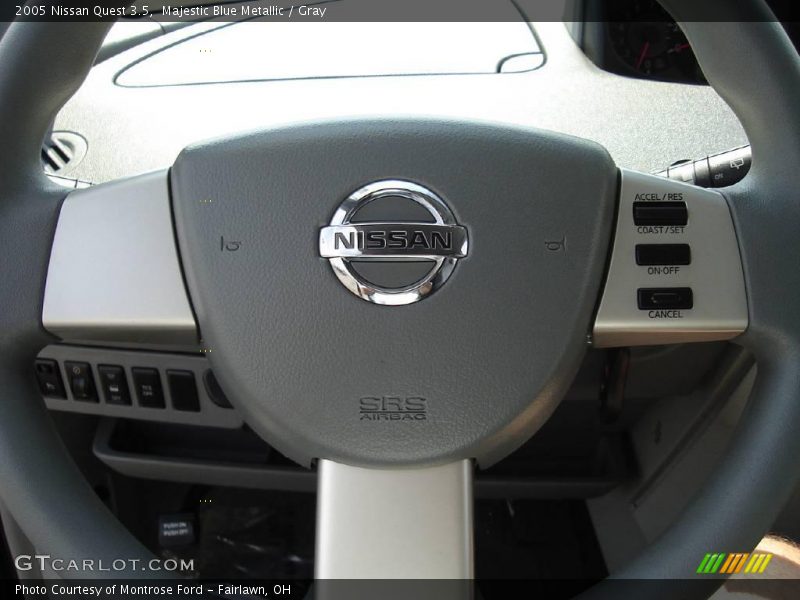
674,298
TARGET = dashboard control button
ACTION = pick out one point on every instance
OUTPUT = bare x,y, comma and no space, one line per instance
147,383
183,390
49,379
81,382
729,167
176,530
214,390
663,254
665,298
114,384
660,213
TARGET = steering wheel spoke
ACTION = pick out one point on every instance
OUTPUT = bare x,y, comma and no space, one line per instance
114,273
402,523
675,273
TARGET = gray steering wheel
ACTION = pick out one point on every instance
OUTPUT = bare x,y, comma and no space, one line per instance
513,343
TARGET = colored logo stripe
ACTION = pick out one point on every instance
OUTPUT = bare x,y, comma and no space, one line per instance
734,563
729,564
758,563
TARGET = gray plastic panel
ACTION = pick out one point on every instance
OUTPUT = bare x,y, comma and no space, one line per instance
210,415
714,275
114,273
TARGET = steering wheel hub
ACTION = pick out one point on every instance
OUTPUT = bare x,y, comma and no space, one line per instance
487,356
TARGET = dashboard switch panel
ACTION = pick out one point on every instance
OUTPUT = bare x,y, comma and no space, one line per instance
675,274
131,384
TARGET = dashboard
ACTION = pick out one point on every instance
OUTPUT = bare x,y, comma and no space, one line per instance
131,127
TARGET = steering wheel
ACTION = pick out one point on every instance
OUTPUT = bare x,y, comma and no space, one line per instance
408,297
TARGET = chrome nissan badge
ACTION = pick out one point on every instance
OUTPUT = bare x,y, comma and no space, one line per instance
393,242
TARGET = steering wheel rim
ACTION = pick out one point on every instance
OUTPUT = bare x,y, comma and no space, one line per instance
757,46
43,487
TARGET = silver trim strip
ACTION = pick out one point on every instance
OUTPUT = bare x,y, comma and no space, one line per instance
114,274
411,523
714,275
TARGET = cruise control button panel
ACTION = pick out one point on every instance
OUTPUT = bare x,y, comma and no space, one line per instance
151,386
675,273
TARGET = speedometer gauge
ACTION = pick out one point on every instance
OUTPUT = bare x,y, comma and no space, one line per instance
648,41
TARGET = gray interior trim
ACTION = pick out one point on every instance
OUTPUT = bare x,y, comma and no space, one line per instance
159,465
677,444
394,523
150,466
114,273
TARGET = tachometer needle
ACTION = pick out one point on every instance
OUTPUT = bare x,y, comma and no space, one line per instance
679,48
643,55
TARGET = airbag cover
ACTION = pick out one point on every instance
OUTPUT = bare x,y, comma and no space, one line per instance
470,371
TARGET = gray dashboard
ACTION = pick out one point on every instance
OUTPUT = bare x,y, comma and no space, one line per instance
645,125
